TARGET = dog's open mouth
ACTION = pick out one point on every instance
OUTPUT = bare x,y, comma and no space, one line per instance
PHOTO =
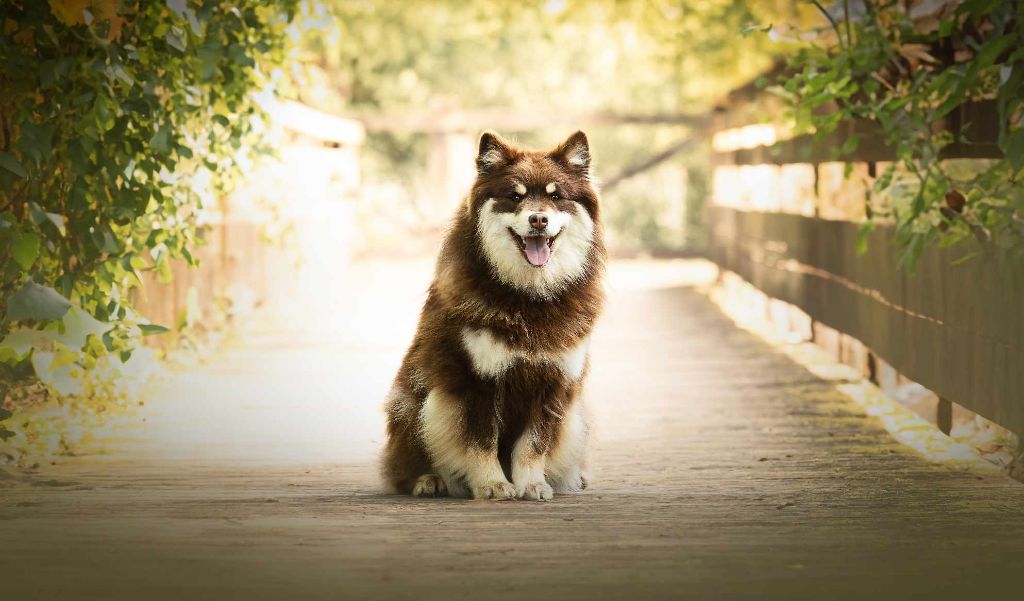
536,249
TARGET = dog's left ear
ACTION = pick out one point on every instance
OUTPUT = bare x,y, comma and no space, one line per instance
574,153
494,153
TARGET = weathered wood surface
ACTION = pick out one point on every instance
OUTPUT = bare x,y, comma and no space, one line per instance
976,126
723,470
955,329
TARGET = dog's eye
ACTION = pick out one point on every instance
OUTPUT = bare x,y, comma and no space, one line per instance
517,197
556,196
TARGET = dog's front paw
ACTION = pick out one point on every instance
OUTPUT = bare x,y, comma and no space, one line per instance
536,491
429,485
573,482
496,489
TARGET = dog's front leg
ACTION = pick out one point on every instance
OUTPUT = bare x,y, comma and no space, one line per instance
528,458
463,449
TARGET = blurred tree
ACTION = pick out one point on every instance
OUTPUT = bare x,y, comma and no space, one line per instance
627,55
572,56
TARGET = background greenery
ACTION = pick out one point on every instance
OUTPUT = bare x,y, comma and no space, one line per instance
120,125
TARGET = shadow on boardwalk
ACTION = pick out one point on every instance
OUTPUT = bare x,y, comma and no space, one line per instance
722,470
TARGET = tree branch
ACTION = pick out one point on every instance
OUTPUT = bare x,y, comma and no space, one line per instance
653,161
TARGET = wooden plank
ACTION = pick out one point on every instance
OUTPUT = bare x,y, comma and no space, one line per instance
510,120
955,329
309,122
978,120
944,415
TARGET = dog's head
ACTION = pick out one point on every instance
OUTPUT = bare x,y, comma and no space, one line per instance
536,213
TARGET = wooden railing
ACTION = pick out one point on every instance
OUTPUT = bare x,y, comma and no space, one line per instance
785,220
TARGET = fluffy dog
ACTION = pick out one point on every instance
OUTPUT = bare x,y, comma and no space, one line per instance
487,400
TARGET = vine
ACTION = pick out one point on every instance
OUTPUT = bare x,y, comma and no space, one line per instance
886,69
121,122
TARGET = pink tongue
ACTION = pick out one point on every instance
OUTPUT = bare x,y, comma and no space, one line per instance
537,250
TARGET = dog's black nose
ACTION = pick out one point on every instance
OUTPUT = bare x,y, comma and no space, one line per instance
538,221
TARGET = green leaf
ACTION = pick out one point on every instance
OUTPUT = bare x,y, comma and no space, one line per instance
752,29
968,257
20,342
77,325
177,7
36,141
58,221
151,329
175,41
863,235
161,140
991,49
193,22
849,146
1013,148
25,250
978,8
33,301
4,414
8,162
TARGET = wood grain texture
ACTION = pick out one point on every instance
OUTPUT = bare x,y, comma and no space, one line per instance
975,126
955,329
722,471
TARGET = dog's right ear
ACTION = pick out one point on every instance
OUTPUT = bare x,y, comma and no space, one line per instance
494,153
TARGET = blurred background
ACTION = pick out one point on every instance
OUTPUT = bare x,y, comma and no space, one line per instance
375,115
181,173
424,79
218,223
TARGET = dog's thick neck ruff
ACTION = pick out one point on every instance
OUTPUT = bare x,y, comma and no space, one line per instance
532,217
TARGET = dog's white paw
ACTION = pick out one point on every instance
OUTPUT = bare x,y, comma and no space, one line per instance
536,491
429,485
575,481
496,489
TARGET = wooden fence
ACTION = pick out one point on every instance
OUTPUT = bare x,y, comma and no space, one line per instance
785,220
236,259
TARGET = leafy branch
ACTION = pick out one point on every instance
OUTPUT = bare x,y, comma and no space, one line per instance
110,113
913,84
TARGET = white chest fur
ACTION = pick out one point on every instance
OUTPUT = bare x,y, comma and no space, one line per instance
491,357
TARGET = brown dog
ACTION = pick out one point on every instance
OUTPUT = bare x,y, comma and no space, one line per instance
487,401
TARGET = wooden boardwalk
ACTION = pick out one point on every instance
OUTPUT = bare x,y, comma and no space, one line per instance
722,470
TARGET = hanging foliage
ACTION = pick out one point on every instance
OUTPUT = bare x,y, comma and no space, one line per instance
120,121
886,69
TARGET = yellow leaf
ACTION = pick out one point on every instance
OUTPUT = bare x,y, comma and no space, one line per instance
105,10
918,52
63,357
69,12
25,37
116,23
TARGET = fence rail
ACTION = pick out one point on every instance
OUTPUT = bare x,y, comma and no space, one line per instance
956,329
975,127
